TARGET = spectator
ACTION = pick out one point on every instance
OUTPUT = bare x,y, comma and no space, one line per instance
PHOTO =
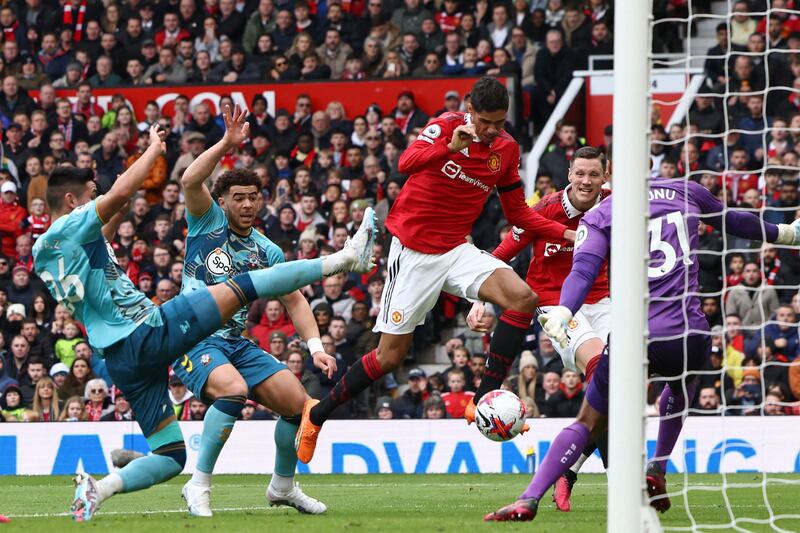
410,404
65,348
11,217
707,403
11,406
58,373
547,400
45,400
780,336
408,19
277,344
34,372
333,52
555,163
457,398
97,400
74,410
79,375
526,381
553,73
295,364
167,70
261,22
434,408
122,409
752,300
334,295
406,114
383,408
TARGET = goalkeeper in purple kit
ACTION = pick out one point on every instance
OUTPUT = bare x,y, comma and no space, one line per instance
676,207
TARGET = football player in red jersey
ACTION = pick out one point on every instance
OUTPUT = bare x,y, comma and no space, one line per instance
453,166
551,262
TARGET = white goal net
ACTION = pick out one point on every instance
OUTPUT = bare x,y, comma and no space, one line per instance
735,465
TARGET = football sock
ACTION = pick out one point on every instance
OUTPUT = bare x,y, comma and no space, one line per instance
217,427
671,409
147,471
587,452
285,454
561,455
108,486
276,280
506,342
359,377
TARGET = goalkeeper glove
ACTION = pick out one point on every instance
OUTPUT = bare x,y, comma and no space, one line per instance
789,233
554,323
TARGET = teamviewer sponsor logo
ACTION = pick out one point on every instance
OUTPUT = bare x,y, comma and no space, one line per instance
551,249
453,171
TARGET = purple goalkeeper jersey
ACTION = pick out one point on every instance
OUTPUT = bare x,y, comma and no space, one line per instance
675,208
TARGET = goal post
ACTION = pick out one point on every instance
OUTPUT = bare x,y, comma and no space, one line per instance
627,506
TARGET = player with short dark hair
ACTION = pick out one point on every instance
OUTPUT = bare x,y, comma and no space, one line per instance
454,164
224,368
137,339
676,208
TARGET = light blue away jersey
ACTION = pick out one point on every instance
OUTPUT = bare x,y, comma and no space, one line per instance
79,268
214,253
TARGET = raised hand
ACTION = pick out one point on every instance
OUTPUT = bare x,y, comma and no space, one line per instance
237,129
462,137
157,137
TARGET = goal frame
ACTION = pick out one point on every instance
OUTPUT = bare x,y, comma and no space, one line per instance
628,511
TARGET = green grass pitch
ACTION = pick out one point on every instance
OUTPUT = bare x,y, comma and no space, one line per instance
391,503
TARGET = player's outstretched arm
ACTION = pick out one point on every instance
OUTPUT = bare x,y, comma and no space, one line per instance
110,227
198,197
131,180
516,240
519,214
305,324
744,224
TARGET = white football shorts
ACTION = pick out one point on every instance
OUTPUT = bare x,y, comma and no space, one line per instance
415,281
591,321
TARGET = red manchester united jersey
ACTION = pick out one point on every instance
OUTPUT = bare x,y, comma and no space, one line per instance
446,191
552,258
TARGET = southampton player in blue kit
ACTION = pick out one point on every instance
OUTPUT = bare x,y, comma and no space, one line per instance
223,368
137,339
678,331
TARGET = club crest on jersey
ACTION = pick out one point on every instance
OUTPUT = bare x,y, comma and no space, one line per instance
573,324
551,249
252,260
219,262
205,359
494,162
396,316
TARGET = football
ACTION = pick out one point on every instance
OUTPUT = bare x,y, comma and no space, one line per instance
500,415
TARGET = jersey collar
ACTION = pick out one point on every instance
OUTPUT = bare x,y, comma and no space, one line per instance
570,209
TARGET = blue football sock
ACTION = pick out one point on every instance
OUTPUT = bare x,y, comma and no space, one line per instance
285,454
276,280
166,462
217,427
147,471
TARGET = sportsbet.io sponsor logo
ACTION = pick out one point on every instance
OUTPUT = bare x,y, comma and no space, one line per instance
219,262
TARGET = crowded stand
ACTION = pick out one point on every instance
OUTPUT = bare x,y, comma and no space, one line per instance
322,164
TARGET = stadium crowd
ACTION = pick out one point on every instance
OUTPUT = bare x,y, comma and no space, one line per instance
322,167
